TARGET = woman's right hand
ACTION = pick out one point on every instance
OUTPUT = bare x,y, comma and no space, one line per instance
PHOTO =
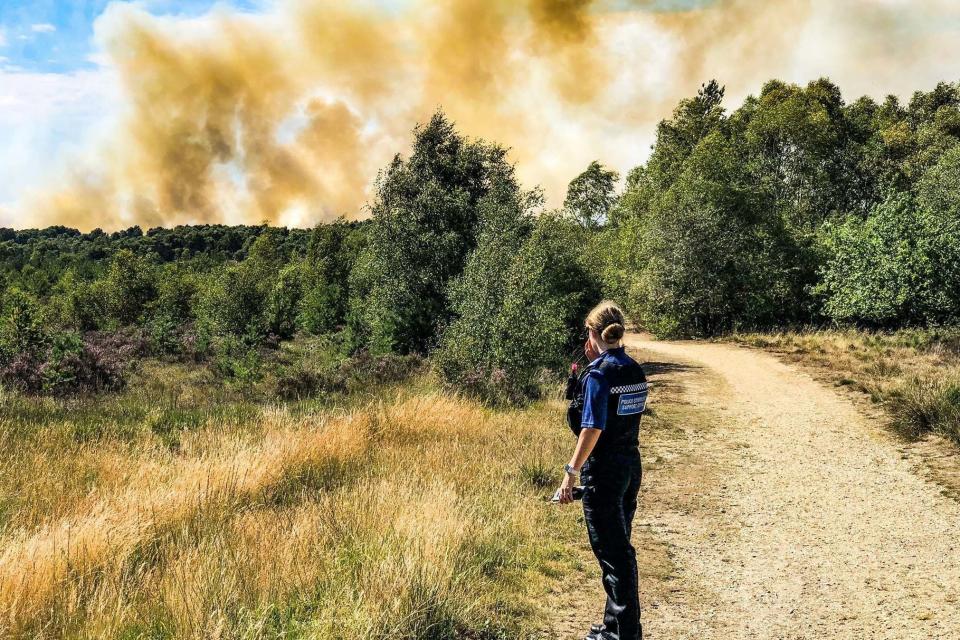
588,350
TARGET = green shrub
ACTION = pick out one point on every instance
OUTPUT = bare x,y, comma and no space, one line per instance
127,289
23,327
233,302
928,404
79,304
713,260
876,271
331,254
520,301
283,305
236,360
177,289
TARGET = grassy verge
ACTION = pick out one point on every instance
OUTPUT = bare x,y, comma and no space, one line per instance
178,509
913,374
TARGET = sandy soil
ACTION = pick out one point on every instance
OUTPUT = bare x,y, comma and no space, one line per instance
790,515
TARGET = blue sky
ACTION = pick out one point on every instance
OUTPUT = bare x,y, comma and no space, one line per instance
54,36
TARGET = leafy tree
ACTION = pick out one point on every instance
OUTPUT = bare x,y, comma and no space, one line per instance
234,302
876,270
522,295
331,255
591,195
23,326
467,355
129,286
713,260
939,216
548,293
78,303
424,225
284,303
677,137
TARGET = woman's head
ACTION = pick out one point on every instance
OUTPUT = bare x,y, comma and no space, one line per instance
606,325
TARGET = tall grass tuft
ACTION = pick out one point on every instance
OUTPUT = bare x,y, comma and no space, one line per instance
925,404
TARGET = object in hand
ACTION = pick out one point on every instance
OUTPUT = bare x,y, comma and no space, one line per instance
571,389
577,494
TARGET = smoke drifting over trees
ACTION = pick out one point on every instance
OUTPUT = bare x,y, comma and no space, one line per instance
286,116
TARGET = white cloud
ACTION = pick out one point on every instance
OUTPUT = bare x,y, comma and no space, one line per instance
3,38
45,119
43,27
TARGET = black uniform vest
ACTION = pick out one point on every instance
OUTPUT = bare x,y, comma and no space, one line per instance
625,404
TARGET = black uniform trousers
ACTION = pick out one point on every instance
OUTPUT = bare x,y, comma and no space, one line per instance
609,502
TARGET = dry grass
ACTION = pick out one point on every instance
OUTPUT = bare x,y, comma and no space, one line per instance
913,374
381,521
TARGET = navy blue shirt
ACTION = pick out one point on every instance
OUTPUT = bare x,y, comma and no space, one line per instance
596,390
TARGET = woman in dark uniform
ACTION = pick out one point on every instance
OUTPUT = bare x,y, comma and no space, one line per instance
607,400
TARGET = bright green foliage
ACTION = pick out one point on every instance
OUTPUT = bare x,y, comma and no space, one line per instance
522,295
876,272
939,211
23,328
741,221
78,303
467,356
713,260
234,302
902,264
176,290
794,140
700,245
331,254
424,225
591,195
284,303
127,289
548,293
254,298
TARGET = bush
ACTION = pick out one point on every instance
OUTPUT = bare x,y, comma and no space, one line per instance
928,404
715,258
23,327
331,254
177,290
79,304
127,289
519,301
284,303
234,303
876,270
236,360
72,364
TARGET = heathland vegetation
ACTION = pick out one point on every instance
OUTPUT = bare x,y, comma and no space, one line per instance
278,432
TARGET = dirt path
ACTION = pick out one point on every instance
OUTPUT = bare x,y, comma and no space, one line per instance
793,516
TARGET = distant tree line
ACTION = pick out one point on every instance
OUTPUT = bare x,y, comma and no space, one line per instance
796,208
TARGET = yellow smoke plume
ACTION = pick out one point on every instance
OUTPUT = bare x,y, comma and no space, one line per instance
286,116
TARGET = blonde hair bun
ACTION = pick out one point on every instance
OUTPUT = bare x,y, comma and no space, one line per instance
612,332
